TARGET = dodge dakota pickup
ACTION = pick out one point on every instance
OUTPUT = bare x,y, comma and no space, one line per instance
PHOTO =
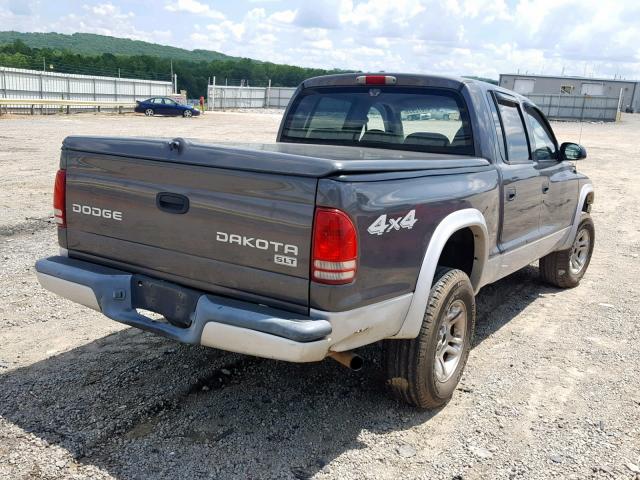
386,204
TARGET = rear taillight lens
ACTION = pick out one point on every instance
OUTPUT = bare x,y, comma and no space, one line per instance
335,247
59,209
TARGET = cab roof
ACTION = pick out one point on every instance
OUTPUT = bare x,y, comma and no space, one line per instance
409,80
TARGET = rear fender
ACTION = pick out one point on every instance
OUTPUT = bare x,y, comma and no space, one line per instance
467,218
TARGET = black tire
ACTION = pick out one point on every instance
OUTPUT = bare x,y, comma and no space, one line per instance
149,112
557,267
187,114
411,364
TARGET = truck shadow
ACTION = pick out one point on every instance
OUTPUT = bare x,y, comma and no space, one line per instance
139,406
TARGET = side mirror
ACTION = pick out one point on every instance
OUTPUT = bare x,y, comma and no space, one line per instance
572,151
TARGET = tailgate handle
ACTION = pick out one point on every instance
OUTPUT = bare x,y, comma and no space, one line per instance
172,202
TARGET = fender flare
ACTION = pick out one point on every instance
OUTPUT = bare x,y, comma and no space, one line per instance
586,189
466,218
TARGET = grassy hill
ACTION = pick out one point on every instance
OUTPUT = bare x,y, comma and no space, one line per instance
92,44
90,54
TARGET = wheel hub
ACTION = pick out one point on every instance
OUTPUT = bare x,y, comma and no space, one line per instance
580,251
451,337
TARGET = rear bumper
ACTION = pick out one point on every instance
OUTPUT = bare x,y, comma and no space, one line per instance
223,323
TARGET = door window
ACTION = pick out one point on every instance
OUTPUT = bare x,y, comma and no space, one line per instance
544,146
515,132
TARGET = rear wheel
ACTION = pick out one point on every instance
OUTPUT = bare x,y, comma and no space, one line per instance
149,112
425,371
565,268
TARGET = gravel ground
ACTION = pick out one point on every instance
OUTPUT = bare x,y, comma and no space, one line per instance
551,390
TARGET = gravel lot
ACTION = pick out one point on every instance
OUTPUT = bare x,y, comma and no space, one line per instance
551,390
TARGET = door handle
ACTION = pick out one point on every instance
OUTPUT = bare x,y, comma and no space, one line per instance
511,194
545,188
172,202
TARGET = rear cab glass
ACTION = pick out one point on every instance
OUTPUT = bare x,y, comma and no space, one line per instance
400,118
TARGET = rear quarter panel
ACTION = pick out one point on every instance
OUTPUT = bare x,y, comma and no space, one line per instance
389,263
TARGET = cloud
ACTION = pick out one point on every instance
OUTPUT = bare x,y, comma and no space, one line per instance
478,37
284,16
108,10
194,7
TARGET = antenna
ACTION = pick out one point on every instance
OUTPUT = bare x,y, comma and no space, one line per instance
580,134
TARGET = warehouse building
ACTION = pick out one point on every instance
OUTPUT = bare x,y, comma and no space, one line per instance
595,87
577,98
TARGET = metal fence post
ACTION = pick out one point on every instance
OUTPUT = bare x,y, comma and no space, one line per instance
619,110
41,75
267,96
4,90
211,100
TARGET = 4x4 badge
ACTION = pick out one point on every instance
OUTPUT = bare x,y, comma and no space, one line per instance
381,226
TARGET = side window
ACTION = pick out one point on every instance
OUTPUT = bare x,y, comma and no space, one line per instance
498,125
544,146
157,100
515,132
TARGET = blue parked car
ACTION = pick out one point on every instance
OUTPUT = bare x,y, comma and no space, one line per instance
165,106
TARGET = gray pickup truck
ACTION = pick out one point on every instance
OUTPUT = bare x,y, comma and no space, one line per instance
375,216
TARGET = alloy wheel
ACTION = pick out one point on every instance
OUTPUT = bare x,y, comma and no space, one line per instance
451,337
580,251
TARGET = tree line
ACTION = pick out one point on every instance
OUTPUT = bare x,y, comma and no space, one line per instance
192,76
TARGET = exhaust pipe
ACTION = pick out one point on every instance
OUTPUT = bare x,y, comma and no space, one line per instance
349,359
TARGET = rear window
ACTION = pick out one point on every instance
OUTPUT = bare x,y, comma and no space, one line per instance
417,119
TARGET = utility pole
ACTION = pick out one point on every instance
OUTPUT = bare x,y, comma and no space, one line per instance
44,64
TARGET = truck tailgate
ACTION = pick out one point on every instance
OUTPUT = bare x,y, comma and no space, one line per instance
235,232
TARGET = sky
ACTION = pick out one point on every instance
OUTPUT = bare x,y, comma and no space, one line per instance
597,38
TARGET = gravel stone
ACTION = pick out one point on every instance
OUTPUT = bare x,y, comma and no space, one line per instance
551,373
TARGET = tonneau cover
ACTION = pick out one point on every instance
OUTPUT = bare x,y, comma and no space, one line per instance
307,160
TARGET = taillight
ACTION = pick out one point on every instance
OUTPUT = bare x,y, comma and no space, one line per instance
59,209
376,80
335,247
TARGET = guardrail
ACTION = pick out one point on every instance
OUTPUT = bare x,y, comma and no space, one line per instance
40,102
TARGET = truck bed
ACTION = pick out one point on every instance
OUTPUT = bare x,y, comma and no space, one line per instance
245,228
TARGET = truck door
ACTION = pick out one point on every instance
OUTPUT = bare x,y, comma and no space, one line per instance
521,180
559,181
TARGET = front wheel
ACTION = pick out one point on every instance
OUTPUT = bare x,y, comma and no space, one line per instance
425,371
187,114
148,112
565,268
